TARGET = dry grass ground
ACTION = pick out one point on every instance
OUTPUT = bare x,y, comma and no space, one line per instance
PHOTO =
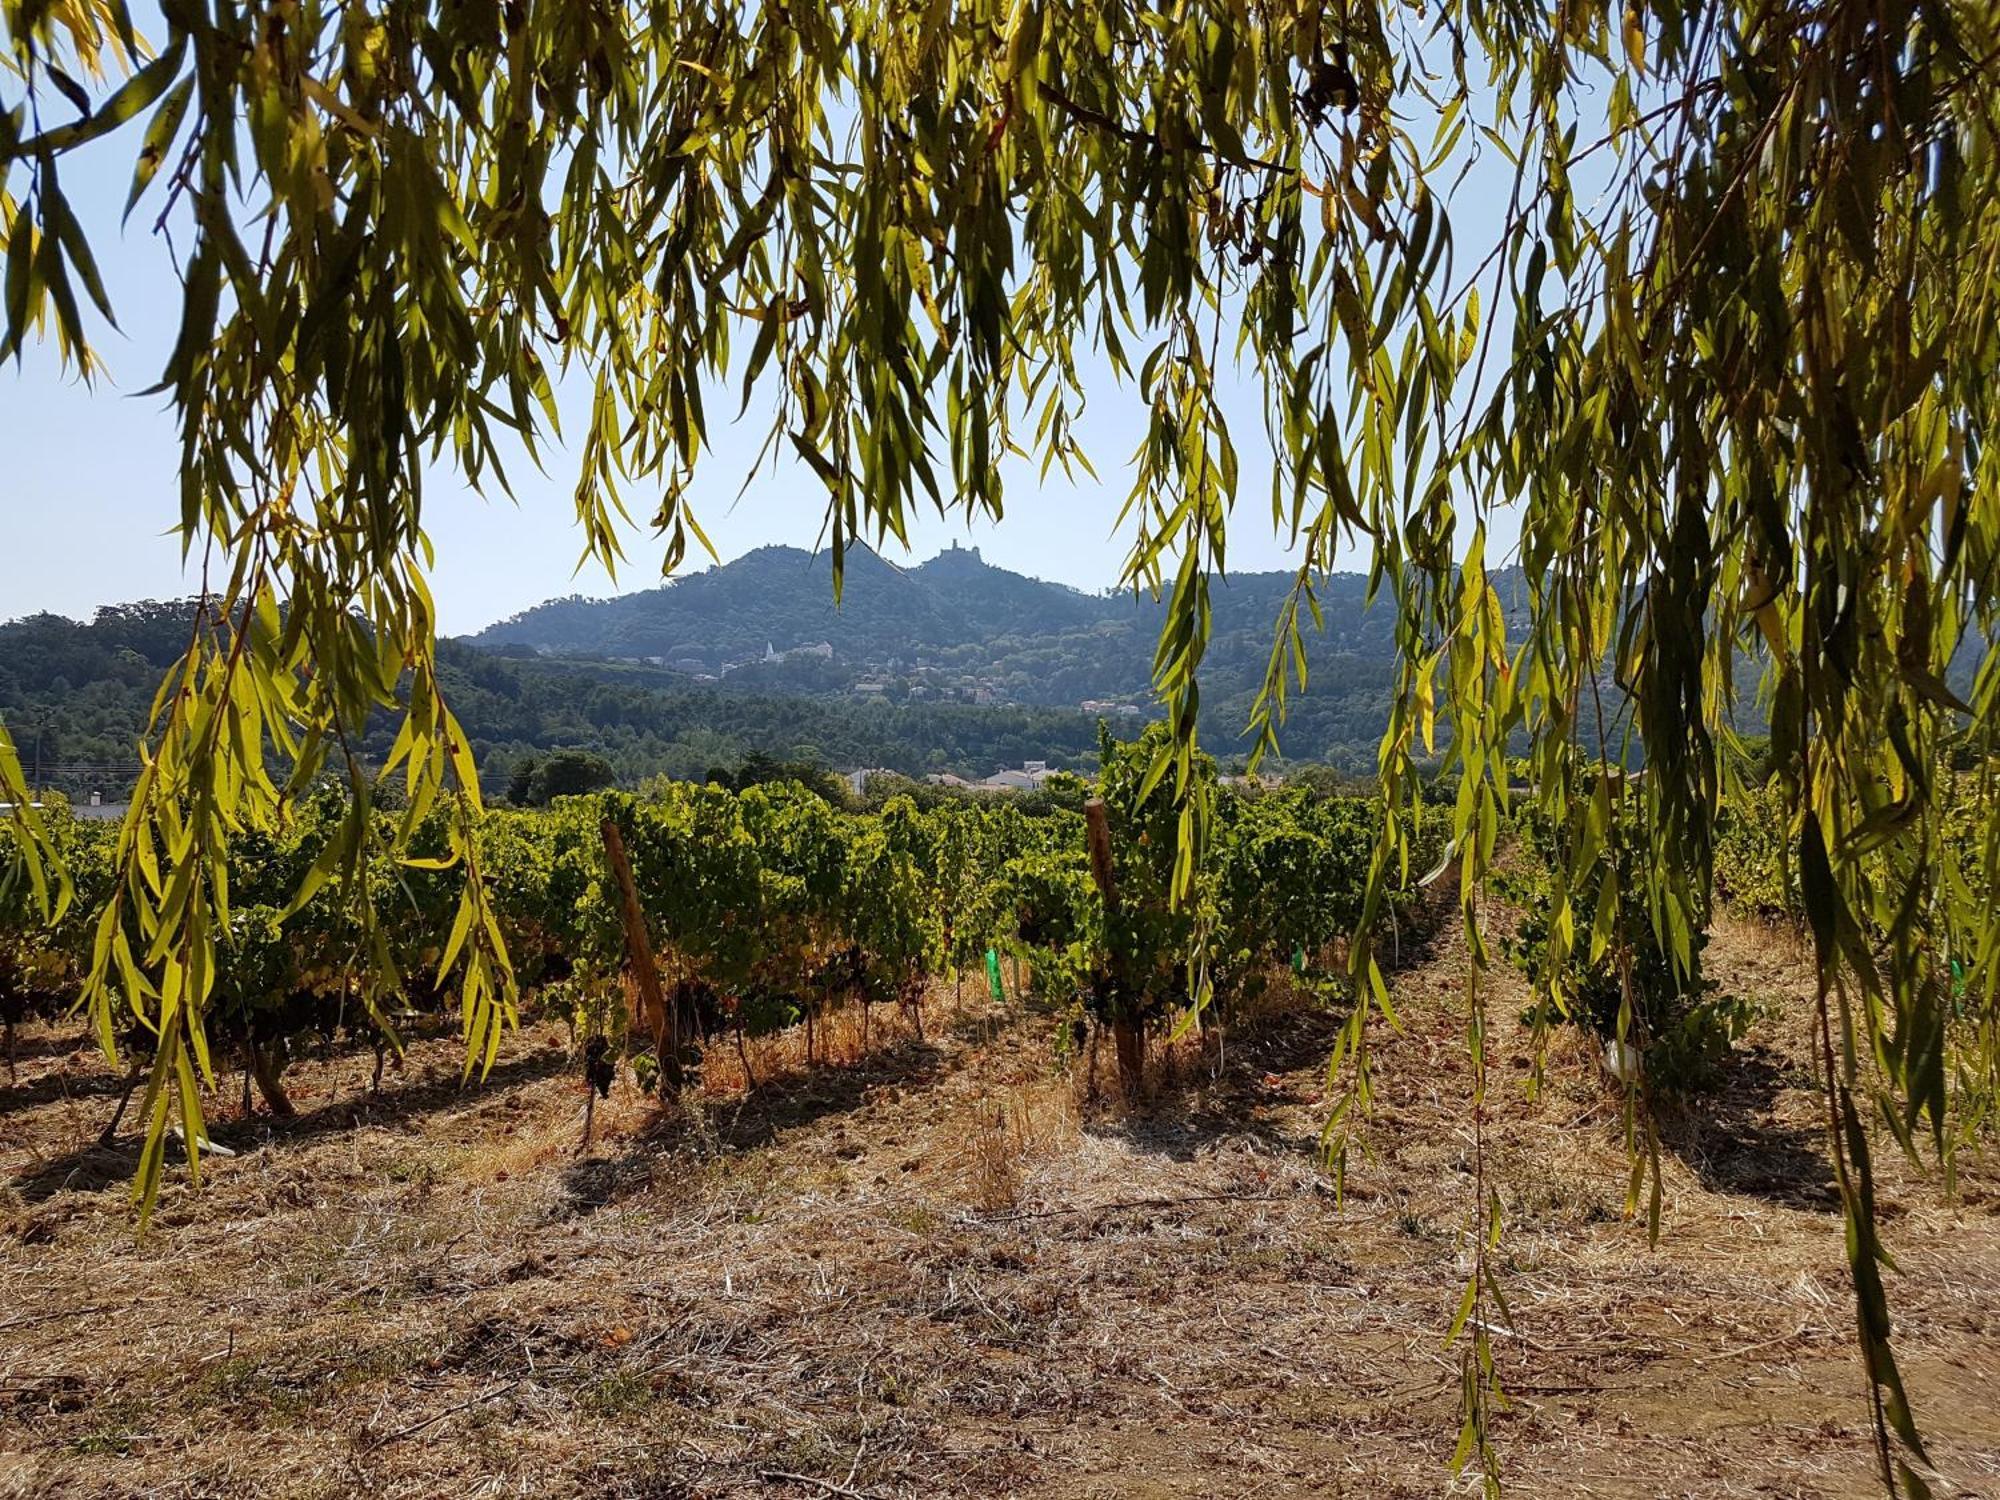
938,1269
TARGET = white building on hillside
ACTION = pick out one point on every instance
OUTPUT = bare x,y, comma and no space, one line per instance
1029,778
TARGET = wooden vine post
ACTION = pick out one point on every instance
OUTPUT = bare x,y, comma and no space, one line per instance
654,1016
1128,1035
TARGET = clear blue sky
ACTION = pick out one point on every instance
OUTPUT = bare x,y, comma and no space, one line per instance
89,489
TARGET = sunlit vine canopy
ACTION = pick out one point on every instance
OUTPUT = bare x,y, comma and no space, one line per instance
1723,357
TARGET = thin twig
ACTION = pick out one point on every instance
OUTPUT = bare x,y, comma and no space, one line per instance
773,1476
1084,114
52,1317
1091,1208
1784,1338
416,1427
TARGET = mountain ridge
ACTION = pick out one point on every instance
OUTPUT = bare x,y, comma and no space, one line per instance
955,608
950,663
956,629
621,624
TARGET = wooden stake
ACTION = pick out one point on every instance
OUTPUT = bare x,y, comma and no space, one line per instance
1097,823
1126,1032
654,1015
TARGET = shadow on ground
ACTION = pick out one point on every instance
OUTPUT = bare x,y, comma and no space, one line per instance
1192,1105
94,1168
27,1049
58,1083
1734,1141
776,1107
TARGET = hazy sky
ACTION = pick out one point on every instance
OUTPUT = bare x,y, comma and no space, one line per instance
89,488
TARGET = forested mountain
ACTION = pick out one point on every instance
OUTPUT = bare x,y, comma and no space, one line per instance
783,596
1047,643
76,695
955,629
950,665
647,721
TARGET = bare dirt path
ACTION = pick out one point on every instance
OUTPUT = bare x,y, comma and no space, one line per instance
937,1270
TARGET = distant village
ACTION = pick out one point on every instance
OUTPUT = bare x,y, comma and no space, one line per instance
1031,777
893,680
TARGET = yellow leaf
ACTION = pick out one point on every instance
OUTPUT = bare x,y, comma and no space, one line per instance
1635,40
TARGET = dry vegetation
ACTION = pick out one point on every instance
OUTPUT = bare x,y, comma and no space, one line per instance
941,1269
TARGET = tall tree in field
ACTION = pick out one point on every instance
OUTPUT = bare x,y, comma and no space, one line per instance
1741,396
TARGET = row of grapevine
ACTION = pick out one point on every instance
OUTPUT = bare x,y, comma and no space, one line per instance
1757,867
763,908
1616,977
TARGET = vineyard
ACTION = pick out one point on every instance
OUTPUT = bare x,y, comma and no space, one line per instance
901,1102
657,927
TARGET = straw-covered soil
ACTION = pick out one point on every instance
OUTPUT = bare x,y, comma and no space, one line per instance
943,1269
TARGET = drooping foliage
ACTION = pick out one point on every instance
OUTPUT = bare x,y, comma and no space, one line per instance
1733,380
